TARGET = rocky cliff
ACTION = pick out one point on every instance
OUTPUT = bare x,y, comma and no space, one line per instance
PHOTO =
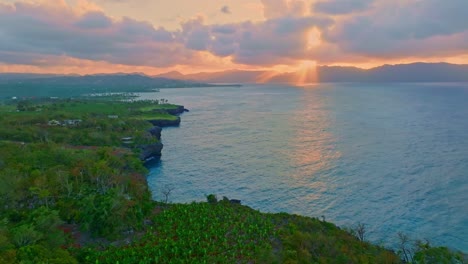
152,151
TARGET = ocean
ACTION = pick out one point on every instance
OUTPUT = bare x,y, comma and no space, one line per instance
391,156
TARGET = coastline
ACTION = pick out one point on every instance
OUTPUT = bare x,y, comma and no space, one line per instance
84,186
153,151
353,232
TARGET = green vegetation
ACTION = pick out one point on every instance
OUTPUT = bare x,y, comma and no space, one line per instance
200,232
44,186
221,232
82,122
72,190
160,116
66,173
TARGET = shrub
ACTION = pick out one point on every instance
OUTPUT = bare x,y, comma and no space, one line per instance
211,198
425,254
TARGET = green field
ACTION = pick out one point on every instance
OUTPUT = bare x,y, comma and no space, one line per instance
157,107
101,123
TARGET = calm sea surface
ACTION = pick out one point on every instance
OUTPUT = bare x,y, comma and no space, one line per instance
392,156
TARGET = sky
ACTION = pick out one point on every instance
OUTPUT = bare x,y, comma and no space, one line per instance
156,36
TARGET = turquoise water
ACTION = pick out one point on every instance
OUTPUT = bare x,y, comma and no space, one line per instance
392,156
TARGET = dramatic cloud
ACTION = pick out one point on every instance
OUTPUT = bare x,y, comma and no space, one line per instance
275,41
29,31
403,28
45,33
225,10
336,7
94,20
283,8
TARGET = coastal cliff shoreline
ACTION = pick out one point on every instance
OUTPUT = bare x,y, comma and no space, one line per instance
153,151
155,155
343,244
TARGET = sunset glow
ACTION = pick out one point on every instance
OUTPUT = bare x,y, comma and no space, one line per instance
313,38
153,37
306,73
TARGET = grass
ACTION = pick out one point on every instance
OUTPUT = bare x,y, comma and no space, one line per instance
7,108
155,116
157,107
89,105
103,108
103,123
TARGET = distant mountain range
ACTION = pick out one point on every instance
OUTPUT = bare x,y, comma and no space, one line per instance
415,72
26,85
110,80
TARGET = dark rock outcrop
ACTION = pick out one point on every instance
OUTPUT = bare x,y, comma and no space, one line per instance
235,201
175,111
165,122
151,151
156,132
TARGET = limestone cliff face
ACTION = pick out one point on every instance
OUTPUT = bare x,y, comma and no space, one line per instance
151,151
180,109
177,111
156,132
165,122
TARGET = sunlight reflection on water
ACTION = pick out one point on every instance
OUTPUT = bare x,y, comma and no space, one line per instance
310,147
393,157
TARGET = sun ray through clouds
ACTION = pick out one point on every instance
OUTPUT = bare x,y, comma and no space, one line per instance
306,73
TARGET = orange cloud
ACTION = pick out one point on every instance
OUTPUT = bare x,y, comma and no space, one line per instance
54,36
